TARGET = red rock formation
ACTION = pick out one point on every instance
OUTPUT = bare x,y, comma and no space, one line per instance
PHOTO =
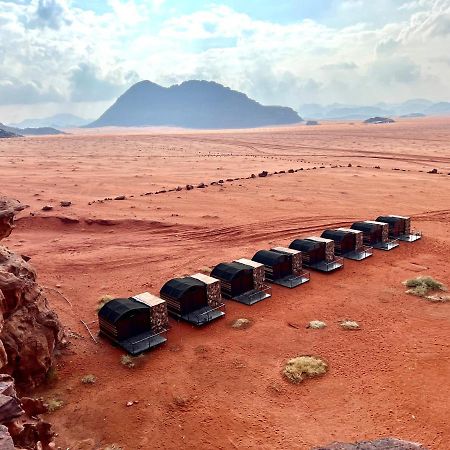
21,426
29,330
29,334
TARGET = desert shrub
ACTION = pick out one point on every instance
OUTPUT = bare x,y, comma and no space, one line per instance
54,404
112,447
241,323
131,361
103,300
316,324
301,367
421,286
51,375
89,379
349,325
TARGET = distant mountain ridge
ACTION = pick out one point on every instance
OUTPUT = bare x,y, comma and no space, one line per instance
42,131
7,134
56,121
192,104
409,108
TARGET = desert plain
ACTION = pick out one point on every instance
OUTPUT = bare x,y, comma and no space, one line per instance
220,387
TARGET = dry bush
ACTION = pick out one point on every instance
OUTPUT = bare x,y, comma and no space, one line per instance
112,447
301,367
53,404
349,325
316,324
89,379
52,375
131,361
241,323
103,300
423,285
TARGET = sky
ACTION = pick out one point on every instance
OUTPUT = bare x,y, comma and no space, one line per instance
78,56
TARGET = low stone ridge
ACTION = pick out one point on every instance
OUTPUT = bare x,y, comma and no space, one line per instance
380,444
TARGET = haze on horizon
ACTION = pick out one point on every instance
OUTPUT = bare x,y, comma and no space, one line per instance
73,56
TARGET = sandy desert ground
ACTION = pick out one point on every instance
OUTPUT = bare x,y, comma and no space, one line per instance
218,387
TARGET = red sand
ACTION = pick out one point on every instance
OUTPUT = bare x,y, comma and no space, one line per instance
218,387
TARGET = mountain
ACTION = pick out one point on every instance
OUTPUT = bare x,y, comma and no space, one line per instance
410,108
31,131
192,104
442,108
7,134
56,121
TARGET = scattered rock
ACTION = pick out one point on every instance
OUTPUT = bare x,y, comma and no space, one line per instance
377,120
433,171
65,204
291,171
379,444
47,208
263,174
189,187
201,186
120,197
68,220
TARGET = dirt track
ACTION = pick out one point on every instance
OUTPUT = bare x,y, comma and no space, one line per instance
219,387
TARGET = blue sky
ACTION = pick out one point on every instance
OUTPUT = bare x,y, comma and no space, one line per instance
78,56
283,11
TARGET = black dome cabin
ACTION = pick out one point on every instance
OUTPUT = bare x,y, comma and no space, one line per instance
348,243
238,282
282,266
136,324
197,299
318,253
400,228
375,234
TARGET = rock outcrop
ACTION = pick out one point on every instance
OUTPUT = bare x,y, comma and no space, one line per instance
21,427
29,330
29,334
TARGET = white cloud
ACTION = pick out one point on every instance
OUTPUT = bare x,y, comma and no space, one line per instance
63,54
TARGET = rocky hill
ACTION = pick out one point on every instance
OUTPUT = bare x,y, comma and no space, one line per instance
7,134
30,131
192,104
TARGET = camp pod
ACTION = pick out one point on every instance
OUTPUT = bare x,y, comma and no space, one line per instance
400,228
196,299
282,266
318,253
348,243
136,324
376,234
